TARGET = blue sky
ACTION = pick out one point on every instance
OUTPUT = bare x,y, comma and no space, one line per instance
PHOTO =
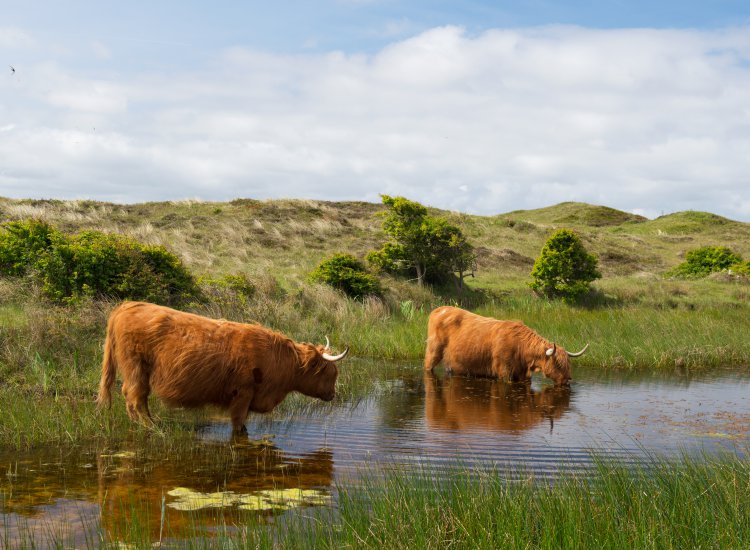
482,107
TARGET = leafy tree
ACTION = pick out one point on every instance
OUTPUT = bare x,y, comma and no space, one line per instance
345,272
706,260
564,268
428,247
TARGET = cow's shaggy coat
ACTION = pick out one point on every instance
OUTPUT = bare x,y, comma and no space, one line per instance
471,344
190,361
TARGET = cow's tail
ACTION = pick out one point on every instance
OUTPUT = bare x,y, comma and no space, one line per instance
109,368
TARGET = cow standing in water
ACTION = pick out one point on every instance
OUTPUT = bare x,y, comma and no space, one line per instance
471,344
191,361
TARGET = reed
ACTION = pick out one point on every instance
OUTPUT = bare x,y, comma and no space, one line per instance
690,502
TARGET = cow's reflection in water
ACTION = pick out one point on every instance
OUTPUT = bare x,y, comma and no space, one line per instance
138,488
461,403
226,483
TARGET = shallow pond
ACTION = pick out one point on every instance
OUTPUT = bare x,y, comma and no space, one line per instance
294,458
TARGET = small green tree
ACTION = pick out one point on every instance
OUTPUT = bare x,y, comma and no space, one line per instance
564,269
706,260
345,272
428,247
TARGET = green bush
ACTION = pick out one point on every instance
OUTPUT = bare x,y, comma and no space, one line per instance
564,269
345,272
742,268
92,263
228,289
706,260
22,244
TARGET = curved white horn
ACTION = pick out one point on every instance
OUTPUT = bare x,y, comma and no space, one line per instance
579,353
551,351
328,344
335,358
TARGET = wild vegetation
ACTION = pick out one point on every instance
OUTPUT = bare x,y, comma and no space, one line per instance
251,261
564,269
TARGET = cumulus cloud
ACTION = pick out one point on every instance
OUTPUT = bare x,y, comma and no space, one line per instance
649,121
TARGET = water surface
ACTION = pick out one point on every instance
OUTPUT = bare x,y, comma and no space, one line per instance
294,458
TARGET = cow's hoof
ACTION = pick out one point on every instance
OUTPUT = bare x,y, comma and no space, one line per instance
242,430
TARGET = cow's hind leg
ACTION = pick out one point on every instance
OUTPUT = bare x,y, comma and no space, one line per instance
239,408
433,355
135,390
129,406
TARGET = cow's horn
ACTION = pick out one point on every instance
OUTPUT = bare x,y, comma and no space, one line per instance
579,353
551,351
335,358
328,344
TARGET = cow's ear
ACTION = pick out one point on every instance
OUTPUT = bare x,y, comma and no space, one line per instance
310,357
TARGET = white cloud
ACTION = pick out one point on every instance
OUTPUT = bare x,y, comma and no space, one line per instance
642,120
15,39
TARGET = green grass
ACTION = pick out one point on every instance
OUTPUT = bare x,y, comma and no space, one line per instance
695,502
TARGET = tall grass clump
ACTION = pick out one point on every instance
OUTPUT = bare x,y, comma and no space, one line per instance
692,503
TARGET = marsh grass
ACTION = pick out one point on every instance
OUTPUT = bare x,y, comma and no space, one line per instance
692,503
697,502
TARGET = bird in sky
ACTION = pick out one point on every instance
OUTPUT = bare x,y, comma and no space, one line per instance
12,69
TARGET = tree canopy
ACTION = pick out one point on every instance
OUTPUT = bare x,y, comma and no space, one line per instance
427,247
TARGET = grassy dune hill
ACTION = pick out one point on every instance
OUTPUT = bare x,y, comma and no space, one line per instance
287,238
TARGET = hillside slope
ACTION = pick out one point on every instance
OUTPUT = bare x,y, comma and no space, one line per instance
287,238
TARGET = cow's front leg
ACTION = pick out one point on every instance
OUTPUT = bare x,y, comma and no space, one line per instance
239,409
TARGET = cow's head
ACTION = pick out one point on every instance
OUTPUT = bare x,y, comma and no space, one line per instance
556,364
318,373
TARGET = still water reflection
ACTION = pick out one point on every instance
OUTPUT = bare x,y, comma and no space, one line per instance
295,458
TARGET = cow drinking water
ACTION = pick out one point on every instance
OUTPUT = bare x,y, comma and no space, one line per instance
471,344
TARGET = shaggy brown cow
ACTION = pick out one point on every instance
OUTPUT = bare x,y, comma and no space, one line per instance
471,344
191,361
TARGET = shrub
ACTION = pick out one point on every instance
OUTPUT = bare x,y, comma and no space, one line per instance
22,243
564,269
345,272
706,260
228,290
742,268
92,263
